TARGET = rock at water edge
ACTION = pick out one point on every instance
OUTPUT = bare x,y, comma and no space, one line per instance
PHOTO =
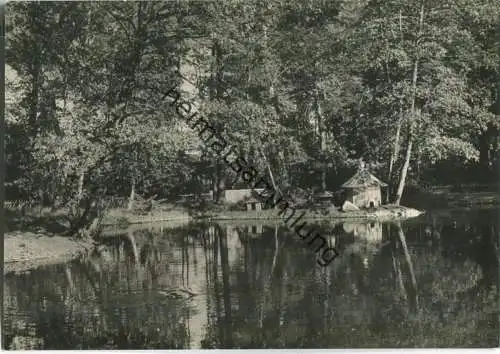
348,206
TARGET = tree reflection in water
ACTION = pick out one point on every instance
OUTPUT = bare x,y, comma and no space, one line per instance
422,284
111,303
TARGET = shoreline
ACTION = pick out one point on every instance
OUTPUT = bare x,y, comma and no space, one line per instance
383,213
116,217
24,251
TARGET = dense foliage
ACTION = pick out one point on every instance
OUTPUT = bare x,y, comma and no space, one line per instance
304,88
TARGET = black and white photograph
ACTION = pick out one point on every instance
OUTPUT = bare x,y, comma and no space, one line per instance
250,174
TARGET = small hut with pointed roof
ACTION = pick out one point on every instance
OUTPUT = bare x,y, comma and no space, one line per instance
363,189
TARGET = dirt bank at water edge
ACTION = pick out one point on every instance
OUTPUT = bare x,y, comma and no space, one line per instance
28,250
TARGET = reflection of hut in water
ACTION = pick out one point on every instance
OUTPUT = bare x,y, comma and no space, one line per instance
368,238
370,232
246,231
233,242
254,230
231,231
364,189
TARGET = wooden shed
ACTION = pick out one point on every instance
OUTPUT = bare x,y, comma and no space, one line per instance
253,203
364,189
248,196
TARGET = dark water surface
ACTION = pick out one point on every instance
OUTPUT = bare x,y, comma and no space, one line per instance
428,282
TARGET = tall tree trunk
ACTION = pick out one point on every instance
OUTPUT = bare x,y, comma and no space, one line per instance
221,183
215,182
323,164
218,181
270,172
35,70
215,93
395,151
394,156
404,172
80,185
406,165
132,194
322,142
396,147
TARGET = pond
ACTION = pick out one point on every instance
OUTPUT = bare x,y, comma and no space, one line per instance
428,282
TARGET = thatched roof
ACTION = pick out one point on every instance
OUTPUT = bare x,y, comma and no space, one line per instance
363,179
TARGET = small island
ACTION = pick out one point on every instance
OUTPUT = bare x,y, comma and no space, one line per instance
360,197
